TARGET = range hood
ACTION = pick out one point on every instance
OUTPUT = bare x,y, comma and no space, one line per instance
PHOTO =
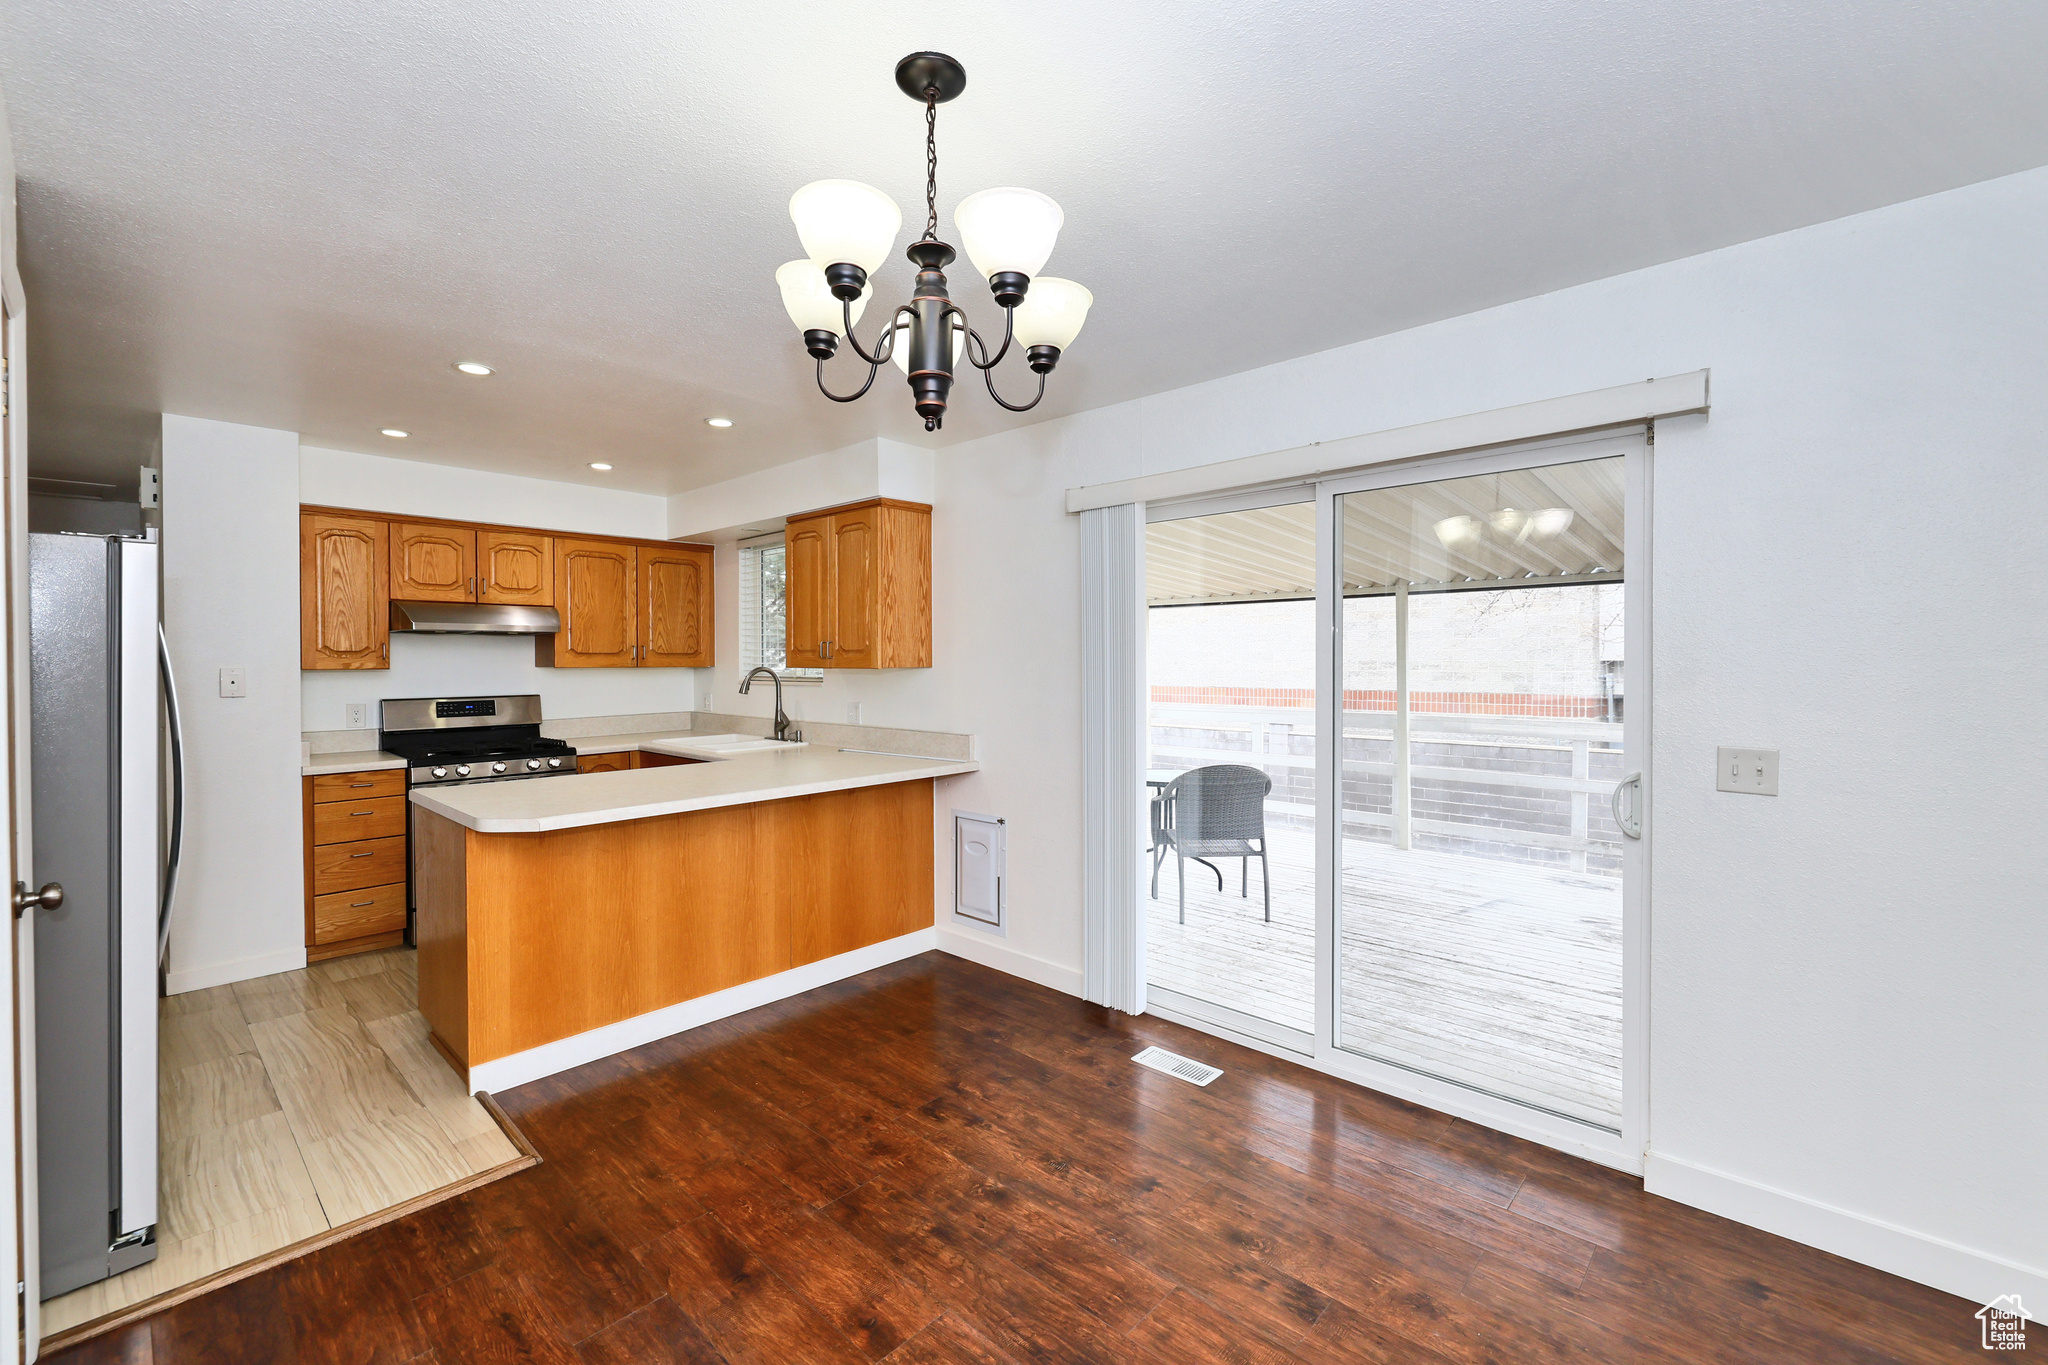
473,618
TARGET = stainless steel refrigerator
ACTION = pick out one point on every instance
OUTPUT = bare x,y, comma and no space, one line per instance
98,753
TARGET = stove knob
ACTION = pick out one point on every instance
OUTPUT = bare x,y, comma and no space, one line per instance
462,770
497,767
532,765
440,772
554,763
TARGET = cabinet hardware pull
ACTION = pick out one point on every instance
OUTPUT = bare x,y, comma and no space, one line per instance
362,784
357,905
371,854
354,813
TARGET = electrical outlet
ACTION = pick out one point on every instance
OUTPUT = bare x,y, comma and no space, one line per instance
1754,771
359,715
853,713
233,682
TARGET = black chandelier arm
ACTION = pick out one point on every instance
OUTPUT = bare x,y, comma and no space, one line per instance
975,343
886,347
861,392
988,377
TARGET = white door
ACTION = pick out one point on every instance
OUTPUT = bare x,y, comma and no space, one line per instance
18,1258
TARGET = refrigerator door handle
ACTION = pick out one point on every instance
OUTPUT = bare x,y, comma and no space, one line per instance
175,845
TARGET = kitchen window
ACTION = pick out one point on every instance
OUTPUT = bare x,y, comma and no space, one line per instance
763,610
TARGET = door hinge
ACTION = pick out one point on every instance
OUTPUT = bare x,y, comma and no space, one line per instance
6,385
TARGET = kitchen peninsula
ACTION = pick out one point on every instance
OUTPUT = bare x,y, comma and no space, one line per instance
564,920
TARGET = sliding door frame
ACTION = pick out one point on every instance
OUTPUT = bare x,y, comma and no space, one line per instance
1624,1149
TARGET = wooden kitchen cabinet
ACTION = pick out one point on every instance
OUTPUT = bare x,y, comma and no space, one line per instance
344,591
597,594
432,562
859,586
355,832
606,763
675,607
623,603
515,567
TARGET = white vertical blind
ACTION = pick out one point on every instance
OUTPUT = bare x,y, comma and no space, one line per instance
1113,754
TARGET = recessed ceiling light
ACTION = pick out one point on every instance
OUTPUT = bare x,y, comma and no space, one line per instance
472,367
394,431
599,464
718,421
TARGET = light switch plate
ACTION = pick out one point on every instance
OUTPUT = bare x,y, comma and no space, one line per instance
1754,771
853,713
233,683
359,715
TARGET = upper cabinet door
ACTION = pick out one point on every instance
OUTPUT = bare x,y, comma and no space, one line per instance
675,607
344,597
432,563
903,586
807,593
515,566
596,592
856,580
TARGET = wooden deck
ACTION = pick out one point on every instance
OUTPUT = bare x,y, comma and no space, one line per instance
1497,976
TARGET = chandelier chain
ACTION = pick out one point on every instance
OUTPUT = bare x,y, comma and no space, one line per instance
931,163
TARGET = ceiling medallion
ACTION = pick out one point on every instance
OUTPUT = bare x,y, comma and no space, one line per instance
847,229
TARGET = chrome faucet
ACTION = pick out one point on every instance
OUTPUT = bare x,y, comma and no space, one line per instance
782,730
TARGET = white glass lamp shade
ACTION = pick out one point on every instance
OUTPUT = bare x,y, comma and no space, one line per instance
1454,533
845,221
901,353
809,300
1052,313
1008,229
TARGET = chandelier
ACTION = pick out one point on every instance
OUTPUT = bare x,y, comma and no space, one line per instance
847,229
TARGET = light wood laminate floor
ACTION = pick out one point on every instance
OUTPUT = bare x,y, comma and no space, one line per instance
292,1104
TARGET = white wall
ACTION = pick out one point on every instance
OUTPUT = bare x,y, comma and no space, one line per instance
378,483
231,598
443,665
1846,1043
877,468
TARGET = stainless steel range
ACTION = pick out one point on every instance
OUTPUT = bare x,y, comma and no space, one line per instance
450,741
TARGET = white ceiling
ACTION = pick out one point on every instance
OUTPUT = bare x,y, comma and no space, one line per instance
297,213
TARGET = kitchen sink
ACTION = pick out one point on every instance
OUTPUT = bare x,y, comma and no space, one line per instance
714,747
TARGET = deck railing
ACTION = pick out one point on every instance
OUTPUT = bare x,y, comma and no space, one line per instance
1530,789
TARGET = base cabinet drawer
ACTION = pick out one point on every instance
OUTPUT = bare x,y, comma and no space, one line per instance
352,914
356,786
350,867
336,822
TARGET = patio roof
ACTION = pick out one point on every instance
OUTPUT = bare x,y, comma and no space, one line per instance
1526,528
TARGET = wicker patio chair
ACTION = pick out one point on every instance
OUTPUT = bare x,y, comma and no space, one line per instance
1214,812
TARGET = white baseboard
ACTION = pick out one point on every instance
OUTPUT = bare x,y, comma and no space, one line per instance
185,979
994,953
1973,1275
503,1073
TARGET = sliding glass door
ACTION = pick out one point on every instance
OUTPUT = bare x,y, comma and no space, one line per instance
1478,917
1231,766
1413,695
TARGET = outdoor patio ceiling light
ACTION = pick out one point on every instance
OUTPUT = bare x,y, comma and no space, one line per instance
1453,532
1506,522
847,229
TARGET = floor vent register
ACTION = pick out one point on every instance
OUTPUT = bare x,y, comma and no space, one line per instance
1173,1064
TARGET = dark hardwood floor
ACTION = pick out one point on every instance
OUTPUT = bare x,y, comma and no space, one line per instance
935,1164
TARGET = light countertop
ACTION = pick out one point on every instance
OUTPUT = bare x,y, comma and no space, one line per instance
350,761
602,798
